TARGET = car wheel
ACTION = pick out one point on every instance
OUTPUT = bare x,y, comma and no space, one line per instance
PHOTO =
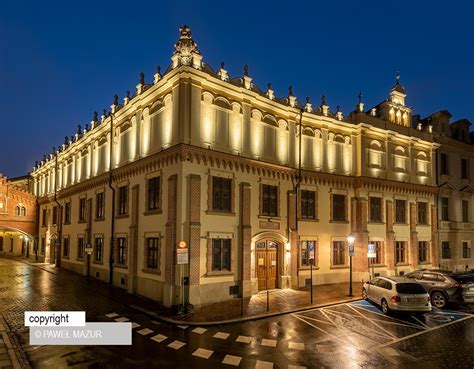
385,308
438,300
364,294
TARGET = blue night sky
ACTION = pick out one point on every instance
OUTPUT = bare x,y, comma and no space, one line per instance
60,61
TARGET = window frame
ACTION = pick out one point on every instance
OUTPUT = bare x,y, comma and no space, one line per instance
339,253
400,251
445,209
307,205
66,246
67,212
400,212
335,207
445,255
423,221
423,250
100,205
372,217
82,209
122,201
155,191
465,210
122,248
224,193
217,248
269,197
81,248
152,243
97,250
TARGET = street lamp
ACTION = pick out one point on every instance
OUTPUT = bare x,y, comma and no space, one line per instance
350,241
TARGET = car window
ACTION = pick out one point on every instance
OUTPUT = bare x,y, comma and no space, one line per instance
414,275
430,277
410,288
387,285
374,281
441,278
463,278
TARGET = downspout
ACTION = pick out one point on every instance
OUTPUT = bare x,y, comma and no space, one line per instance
298,183
59,218
437,203
112,225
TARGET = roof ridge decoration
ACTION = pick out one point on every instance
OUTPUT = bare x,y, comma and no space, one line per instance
398,86
186,51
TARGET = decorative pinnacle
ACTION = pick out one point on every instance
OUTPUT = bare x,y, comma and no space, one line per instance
95,116
115,99
66,140
323,100
87,127
222,65
128,94
104,112
269,85
398,77
246,70
158,69
79,128
290,90
142,78
360,97
54,150
338,109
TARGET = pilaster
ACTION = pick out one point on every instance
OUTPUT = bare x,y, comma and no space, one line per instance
413,236
133,246
170,242
245,239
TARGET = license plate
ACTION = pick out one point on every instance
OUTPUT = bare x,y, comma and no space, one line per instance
471,289
414,300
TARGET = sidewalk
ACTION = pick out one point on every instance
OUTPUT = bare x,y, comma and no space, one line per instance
8,359
231,311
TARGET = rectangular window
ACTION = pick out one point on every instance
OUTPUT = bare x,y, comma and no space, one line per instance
465,211
44,218
80,248
98,248
308,204
67,213
308,251
400,211
66,247
99,205
270,200
375,209
422,251
444,163
123,200
378,252
152,249
122,250
464,169
82,209
55,215
43,245
338,253
400,251
466,250
221,194
445,250
444,208
154,193
422,213
221,254
338,207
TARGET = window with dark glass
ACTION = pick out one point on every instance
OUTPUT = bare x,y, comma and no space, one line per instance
99,205
154,193
80,248
23,211
67,213
444,208
465,211
400,211
270,200
43,245
422,251
422,213
338,253
66,247
98,249
305,253
400,252
221,194
55,215
82,209
445,250
375,209
338,207
464,169
378,252
122,250
152,245
466,250
221,254
44,218
444,164
17,211
123,200
308,202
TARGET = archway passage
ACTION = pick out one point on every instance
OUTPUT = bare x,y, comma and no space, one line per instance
266,261
15,242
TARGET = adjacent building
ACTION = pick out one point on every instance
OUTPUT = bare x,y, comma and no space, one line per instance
261,188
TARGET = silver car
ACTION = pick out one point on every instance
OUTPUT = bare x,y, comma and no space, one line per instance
397,293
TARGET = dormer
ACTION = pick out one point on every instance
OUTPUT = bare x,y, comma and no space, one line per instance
394,109
440,122
460,130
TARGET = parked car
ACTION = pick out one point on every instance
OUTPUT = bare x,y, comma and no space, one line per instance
466,280
397,293
441,287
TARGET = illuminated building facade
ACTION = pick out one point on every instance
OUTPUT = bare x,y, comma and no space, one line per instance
199,156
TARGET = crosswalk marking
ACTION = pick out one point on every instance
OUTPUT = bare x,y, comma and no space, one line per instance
221,335
111,315
232,360
199,330
144,331
244,339
267,342
159,338
176,345
296,345
205,354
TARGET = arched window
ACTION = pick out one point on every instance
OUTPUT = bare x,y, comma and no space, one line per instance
17,210
23,211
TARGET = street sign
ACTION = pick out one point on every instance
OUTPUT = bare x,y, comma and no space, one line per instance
182,253
88,249
371,253
311,249
351,250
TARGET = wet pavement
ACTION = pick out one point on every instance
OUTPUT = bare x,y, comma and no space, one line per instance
347,335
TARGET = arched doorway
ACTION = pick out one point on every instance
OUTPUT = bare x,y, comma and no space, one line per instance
266,264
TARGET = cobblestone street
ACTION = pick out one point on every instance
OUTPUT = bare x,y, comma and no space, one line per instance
345,335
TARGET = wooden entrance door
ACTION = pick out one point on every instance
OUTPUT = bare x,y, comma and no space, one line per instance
267,264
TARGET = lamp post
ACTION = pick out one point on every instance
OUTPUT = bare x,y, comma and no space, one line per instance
350,241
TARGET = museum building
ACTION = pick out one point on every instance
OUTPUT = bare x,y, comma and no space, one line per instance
262,189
